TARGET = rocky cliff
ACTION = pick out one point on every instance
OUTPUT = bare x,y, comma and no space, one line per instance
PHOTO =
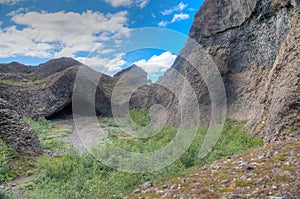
278,110
244,39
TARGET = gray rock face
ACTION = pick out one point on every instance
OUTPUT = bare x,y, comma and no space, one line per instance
243,38
50,92
219,15
16,132
278,113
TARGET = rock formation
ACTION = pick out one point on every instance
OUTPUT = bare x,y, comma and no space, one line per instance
244,39
16,132
45,90
278,113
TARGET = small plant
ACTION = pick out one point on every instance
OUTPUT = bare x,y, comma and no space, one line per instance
51,138
7,155
5,196
140,116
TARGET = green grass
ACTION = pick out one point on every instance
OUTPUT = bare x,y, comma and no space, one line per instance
5,196
69,175
15,83
110,84
51,138
19,83
105,122
7,155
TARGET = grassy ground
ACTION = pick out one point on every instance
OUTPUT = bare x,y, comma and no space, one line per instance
66,174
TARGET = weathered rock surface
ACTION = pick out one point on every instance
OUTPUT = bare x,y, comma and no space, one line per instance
16,132
219,15
243,38
278,112
51,89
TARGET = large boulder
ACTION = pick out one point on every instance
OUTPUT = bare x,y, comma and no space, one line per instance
16,132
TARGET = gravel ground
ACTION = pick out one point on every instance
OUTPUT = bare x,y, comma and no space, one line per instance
272,172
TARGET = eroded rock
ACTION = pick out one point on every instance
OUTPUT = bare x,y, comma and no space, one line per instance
15,132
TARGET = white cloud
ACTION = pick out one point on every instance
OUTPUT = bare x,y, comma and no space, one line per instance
104,65
180,17
163,23
128,3
15,12
143,3
159,63
180,7
9,1
58,34
176,18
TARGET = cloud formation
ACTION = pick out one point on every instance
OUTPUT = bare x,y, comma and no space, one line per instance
163,23
177,16
128,3
180,7
157,63
9,1
180,17
47,35
105,65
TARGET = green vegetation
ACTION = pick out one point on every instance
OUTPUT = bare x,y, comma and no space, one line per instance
67,174
7,155
105,122
15,83
4,196
140,116
51,138
19,83
110,84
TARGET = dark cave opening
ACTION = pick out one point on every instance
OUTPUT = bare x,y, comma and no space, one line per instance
65,113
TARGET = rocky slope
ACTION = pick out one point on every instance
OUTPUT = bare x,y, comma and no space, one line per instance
270,172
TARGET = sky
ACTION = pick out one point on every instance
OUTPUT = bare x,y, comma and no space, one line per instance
107,35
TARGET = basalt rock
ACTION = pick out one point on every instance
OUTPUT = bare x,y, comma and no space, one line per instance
244,39
16,132
47,89
278,113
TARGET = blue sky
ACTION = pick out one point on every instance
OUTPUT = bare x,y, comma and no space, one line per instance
107,35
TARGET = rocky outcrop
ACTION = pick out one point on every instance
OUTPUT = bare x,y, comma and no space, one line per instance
243,38
216,16
50,93
41,71
16,132
278,113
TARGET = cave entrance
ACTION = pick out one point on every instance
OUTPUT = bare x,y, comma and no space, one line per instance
65,113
